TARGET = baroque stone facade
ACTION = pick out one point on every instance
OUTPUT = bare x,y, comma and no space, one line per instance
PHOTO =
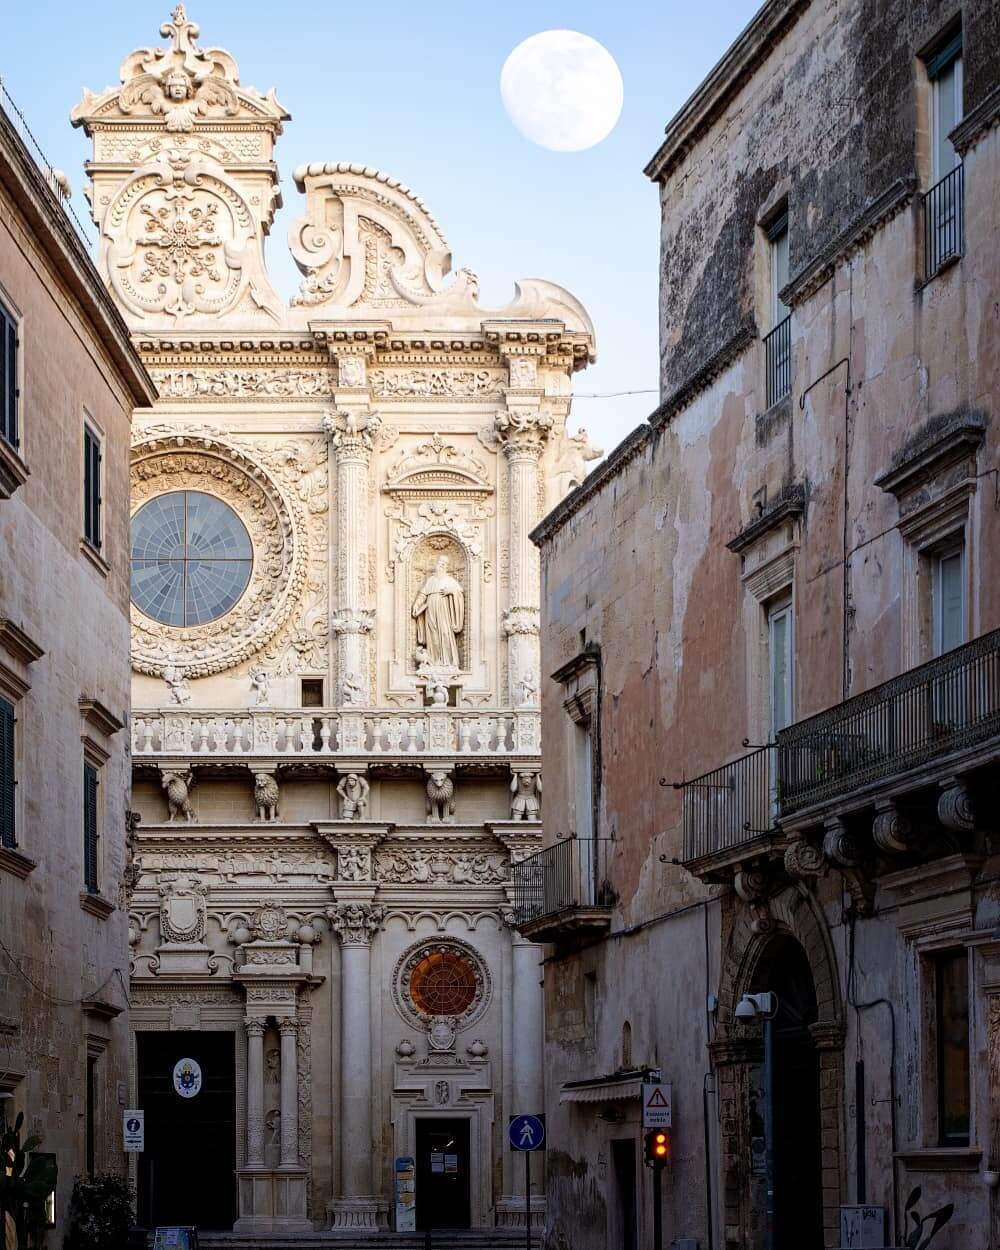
335,736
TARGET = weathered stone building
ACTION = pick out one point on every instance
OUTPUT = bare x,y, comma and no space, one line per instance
335,727
69,381
771,664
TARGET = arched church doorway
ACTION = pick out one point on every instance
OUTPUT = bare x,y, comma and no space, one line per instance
798,1187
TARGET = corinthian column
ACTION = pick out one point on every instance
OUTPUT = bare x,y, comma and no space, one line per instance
522,430
351,433
255,1092
289,1029
356,923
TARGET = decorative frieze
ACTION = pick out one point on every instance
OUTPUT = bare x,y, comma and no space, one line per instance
302,384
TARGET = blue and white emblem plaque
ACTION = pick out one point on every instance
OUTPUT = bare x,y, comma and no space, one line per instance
187,1077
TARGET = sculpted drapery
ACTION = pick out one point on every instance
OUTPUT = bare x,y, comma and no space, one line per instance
439,610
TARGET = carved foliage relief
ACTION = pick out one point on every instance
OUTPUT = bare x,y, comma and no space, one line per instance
283,610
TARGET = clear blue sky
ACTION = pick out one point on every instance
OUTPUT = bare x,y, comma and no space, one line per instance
413,90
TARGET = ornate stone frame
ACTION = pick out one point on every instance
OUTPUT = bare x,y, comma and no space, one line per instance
411,957
280,554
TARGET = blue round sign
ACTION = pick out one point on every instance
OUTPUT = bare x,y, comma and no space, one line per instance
526,1132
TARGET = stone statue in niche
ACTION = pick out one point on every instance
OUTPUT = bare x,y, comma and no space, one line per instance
178,790
526,793
353,789
260,686
439,610
265,796
440,797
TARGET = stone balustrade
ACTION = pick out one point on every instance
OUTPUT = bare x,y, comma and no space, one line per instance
320,733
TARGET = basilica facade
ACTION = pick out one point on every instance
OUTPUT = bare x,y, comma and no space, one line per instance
335,712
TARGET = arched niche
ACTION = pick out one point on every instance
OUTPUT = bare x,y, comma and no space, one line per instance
422,563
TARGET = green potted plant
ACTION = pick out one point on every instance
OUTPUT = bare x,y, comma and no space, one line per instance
26,1180
100,1213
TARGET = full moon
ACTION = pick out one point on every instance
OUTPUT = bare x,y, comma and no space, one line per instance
562,90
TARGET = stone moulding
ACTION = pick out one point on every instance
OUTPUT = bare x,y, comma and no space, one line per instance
975,124
276,524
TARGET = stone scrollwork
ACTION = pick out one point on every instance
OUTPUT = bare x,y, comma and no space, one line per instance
753,884
805,859
892,830
955,806
276,520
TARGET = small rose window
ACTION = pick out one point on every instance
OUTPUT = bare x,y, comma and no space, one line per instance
443,984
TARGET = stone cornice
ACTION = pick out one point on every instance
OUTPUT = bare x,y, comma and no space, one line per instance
16,643
740,62
972,127
791,504
55,236
936,448
705,374
821,268
98,717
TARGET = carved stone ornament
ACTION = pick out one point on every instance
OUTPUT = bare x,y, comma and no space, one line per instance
477,985
752,884
892,830
183,909
442,1034
269,924
438,868
523,432
526,795
840,845
265,796
353,789
440,798
354,863
355,923
805,859
276,520
177,786
955,807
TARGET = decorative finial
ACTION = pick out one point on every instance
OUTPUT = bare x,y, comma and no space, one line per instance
183,32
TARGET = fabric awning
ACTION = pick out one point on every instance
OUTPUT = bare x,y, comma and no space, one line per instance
608,1090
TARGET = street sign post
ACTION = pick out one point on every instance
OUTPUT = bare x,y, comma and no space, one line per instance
526,1133
657,1110
134,1131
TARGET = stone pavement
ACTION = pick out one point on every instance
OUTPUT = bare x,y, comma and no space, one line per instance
443,1239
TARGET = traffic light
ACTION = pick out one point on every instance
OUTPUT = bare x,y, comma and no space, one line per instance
656,1148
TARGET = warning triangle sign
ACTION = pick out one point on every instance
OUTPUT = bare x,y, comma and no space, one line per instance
656,1099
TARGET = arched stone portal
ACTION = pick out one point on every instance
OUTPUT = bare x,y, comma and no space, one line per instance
790,955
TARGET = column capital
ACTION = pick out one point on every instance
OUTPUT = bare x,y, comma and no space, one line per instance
355,923
522,430
352,432
288,1025
254,1026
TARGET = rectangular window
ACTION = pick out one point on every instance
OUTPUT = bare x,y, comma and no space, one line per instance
952,1008
90,828
8,780
91,487
91,1125
312,691
945,72
8,378
779,658
948,599
778,343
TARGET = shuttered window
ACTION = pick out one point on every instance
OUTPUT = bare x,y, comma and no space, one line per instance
91,487
8,378
90,784
7,778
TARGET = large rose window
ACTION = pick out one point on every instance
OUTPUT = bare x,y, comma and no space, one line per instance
445,978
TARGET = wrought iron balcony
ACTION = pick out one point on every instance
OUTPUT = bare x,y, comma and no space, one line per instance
946,706
318,734
778,361
730,806
941,717
563,889
944,222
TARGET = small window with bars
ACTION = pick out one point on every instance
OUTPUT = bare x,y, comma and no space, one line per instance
91,832
91,487
9,392
778,343
944,203
8,776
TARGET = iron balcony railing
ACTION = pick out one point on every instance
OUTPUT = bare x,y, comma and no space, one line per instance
949,704
730,805
778,361
570,874
944,221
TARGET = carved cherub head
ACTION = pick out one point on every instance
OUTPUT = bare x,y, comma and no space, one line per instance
176,85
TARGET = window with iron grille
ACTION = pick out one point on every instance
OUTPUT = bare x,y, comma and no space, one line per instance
91,487
951,989
90,829
8,378
944,203
8,781
778,343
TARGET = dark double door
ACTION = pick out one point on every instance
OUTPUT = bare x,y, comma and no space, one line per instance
443,1188
187,1173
